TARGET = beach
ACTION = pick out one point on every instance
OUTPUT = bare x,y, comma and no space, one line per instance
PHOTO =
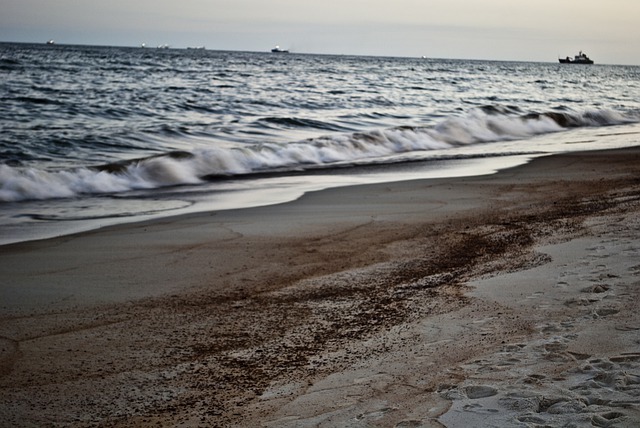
508,299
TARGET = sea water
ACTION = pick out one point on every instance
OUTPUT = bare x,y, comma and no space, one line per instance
92,136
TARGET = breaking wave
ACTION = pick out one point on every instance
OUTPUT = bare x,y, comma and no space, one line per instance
483,125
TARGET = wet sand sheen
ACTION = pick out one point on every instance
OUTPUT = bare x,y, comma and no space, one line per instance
413,303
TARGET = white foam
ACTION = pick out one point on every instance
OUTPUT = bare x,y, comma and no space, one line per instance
17,183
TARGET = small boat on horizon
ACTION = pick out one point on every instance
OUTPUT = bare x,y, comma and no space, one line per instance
278,50
51,42
581,58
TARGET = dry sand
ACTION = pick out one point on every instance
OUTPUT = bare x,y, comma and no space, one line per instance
503,300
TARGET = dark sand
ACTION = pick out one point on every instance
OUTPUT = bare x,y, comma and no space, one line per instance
505,300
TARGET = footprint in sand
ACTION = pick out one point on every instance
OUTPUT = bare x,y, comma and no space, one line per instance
627,327
605,312
531,419
555,347
607,419
597,288
578,302
534,379
626,358
479,391
630,251
565,406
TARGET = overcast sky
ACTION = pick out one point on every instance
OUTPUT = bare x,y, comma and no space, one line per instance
536,30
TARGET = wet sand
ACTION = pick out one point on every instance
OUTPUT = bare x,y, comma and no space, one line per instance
509,300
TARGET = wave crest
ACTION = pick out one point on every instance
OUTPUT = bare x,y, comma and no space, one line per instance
484,125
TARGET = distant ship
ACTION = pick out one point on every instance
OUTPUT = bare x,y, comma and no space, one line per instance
51,42
581,58
278,50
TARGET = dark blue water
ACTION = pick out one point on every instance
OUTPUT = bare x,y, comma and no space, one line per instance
108,133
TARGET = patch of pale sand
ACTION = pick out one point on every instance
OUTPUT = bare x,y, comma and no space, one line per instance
553,345
582,365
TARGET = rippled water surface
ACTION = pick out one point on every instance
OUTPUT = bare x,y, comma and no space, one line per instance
101,132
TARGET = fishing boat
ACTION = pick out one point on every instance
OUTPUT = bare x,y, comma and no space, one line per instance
278,50
581,58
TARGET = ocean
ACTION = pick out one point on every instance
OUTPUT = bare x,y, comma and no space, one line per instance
94,136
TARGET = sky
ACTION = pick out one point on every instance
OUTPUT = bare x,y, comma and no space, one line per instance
521,30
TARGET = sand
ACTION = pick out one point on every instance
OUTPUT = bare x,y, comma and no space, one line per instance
501,300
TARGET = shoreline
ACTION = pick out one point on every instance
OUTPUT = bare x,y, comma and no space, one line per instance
249,194
62,217
428,302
